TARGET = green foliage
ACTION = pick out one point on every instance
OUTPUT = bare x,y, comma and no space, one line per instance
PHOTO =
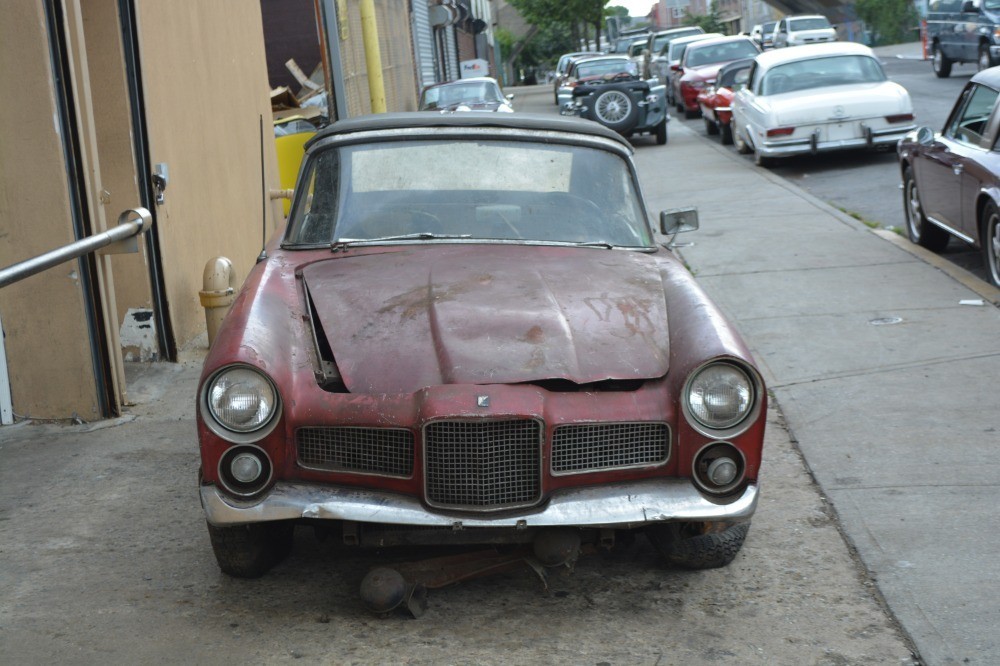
616,10
891,21
558,21
710,22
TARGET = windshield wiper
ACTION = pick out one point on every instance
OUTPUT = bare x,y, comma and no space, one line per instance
420,235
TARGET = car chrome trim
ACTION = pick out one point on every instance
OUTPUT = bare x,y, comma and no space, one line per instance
622,505
594,470
735,483
950,230
232,436
746,422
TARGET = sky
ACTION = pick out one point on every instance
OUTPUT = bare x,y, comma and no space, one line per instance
635,7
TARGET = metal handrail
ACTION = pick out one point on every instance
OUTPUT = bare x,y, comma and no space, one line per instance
126,229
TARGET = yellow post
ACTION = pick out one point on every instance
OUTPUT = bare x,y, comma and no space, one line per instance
373,57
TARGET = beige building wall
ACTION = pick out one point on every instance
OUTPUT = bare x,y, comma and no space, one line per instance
44,316
398,68
205,88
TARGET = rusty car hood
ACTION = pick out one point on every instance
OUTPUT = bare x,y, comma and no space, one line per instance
402,320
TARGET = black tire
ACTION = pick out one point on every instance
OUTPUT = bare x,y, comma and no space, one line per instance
250,551
710,127
661,132
939,62
726,134
990,241
919,230
689,114
698,545
614,108
984,61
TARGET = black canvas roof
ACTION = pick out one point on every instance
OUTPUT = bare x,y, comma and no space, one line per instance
420,119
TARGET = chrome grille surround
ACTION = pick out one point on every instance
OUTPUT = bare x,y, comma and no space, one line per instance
483,465
580,448
360,450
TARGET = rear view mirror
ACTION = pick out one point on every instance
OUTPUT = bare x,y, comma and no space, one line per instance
678,220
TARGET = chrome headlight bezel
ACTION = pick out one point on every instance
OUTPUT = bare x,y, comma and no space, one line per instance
231,432
732,427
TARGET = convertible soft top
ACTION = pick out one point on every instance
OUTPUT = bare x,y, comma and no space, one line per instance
428,119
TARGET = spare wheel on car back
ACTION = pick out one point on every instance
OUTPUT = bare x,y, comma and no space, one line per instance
614,108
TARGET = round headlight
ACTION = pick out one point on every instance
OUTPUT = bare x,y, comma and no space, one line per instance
241,399
720,396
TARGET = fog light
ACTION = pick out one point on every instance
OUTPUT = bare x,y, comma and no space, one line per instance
246,468
722,471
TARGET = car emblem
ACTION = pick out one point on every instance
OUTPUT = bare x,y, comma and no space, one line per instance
483,401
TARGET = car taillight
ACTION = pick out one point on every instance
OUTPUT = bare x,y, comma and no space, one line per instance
780,131
900,118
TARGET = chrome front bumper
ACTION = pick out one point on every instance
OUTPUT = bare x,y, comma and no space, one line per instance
612,506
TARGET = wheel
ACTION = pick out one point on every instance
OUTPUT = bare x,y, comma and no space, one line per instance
939,62
710,127
920,231
615,109
742,147
984,61
250,551
698,545
689,114
661,132
726,133
991,242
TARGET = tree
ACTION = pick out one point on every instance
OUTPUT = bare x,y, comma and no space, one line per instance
891,21
710,22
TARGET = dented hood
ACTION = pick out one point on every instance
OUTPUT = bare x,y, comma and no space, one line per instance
399,321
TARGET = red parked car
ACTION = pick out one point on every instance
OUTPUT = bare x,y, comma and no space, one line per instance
700,65
716,100
495,350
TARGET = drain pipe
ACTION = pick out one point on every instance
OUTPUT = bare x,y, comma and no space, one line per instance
218,293
373,57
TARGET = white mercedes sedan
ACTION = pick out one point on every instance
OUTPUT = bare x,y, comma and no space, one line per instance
818,97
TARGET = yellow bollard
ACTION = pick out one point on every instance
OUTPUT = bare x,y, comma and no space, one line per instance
218,294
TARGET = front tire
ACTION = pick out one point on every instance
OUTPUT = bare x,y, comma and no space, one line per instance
920,231
250,551
698,545
984,61
710,127
661,133
940,62
990,241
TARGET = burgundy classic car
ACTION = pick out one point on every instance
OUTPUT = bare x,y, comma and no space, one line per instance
469,334
716,100
951,179
701,63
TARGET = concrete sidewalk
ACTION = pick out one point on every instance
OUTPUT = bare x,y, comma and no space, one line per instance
887,381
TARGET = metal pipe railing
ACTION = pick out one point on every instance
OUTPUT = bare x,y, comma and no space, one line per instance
126,229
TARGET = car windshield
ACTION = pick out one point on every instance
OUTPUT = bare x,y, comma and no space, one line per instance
709,54
601,67
812,23
459,93
821,72
662,40
467,190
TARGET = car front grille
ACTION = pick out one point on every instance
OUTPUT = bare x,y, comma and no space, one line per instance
387,451
482,465
591,447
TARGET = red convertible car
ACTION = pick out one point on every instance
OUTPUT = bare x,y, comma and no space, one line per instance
469,334
951,179
716,101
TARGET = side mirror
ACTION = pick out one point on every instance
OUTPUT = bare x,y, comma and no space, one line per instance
678,220
925,136
510,98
